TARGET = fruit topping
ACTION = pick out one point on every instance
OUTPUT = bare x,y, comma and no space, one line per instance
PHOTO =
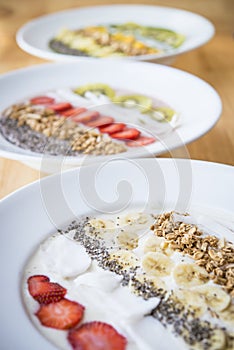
127,134
61,106
100,122
98,336
43,291
86,116
97,89
41,100
141,141
73,112
144,103
64,314
112,128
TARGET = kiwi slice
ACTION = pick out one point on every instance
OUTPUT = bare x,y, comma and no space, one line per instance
144,103
164,35
129,26
162,114
98,89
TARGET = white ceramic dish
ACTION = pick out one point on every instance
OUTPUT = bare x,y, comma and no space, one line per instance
197,102
31,214
34,36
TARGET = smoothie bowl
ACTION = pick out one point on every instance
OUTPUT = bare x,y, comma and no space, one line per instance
76,113
152,271
134,32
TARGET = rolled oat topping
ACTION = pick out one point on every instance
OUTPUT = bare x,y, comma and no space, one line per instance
213,254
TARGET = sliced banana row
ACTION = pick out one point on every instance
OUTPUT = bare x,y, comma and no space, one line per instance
157,264
190,275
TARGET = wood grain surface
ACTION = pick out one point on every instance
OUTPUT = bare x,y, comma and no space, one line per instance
213,62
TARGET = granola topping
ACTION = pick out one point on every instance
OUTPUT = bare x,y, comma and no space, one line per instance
214,254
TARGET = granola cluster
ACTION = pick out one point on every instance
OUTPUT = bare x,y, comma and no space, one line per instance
214,254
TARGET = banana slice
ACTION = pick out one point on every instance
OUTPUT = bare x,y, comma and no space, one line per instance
228,315
192,300
190,275
157,244
135,219
218,340
125,258
127,240
157,283
215,297
157,264
102,223
230,341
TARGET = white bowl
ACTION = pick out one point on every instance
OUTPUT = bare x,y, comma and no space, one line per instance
32,213
197,102
34,36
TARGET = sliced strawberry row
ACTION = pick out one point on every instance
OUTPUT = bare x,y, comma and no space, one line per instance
64,314
93,119
96,335
55,311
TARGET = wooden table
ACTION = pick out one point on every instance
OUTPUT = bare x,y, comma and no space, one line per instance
213,62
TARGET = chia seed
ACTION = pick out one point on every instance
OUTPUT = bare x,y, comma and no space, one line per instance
59,47
26,138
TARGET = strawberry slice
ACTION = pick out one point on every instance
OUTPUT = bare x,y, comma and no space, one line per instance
62,106
42,100
43,291
127,134
96,335
72,112
64,314
100,121
112,128
141,141
86,116
37,278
